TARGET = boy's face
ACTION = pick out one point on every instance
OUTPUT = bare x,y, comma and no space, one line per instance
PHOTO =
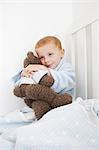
50,55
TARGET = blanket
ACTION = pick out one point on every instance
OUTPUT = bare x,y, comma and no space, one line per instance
71,127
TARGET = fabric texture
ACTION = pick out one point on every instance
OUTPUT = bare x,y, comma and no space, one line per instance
70,127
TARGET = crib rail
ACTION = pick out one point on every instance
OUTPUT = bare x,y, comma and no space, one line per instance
85,58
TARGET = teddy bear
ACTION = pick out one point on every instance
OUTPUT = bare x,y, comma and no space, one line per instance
40,97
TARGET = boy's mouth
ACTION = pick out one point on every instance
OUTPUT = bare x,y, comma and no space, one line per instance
49,65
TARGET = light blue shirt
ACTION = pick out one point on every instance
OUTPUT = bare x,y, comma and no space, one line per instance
64,77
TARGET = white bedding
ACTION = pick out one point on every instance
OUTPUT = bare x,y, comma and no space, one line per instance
71,127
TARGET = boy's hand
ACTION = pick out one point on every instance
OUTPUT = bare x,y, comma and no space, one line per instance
24,74
31,69
35,68
27,74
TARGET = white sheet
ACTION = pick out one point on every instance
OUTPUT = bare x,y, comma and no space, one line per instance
70,127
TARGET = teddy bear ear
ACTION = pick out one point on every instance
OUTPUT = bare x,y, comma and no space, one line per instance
30,55
32,58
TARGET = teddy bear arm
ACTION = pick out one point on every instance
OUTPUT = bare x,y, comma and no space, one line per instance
19,91
46,80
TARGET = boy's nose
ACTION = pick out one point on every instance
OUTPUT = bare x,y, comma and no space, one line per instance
46,60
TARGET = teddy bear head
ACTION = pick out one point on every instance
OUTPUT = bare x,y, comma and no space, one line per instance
31,59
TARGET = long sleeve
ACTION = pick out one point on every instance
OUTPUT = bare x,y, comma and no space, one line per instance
17,76
64,78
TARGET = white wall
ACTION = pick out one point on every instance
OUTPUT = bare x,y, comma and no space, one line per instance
21,25
84,9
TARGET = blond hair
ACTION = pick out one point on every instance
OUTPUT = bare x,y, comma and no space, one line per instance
47,40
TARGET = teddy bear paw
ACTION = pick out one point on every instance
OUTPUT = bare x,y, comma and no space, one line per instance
17,91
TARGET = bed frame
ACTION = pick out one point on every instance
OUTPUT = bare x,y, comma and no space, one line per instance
85,57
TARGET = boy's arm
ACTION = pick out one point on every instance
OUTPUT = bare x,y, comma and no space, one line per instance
17,76
64,79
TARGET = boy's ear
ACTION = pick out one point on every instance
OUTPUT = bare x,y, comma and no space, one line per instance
62,52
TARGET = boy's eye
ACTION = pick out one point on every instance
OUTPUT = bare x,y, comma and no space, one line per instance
50,54
41,57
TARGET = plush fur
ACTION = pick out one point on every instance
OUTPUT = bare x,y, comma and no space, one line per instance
40,96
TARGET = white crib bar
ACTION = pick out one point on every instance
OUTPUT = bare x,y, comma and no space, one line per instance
95,59
85,57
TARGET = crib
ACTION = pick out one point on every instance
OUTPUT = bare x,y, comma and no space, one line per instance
85,57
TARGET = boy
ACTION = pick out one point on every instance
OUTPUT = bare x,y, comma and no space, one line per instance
51,54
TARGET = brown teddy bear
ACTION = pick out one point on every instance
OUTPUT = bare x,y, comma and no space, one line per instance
40,96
